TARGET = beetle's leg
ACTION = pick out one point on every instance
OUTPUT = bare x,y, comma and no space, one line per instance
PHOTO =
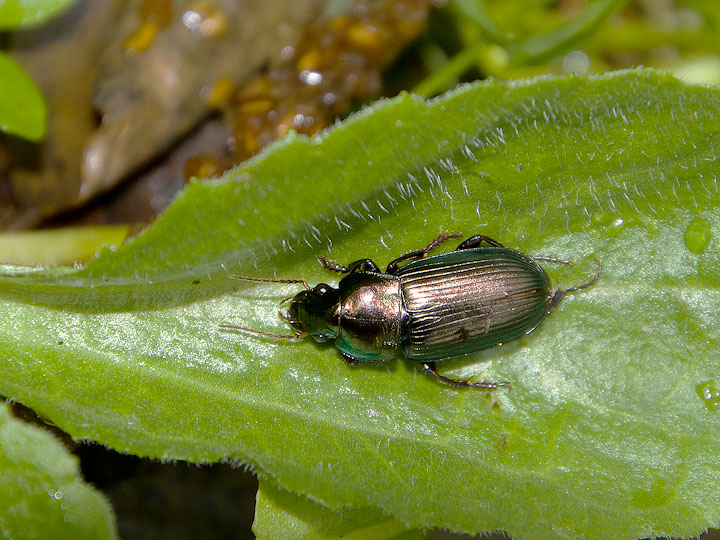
560,293
363,265
475,241
392,268
431,368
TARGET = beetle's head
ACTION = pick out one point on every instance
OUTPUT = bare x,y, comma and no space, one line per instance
315,312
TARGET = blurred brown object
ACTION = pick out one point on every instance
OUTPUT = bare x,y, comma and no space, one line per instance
339,61
149,69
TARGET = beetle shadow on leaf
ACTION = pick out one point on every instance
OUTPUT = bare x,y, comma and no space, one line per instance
483,359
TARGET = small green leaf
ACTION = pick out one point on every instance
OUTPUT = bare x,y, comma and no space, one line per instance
24,13
605,430
531,50
22,107
59,246
41,492
282,514
543,47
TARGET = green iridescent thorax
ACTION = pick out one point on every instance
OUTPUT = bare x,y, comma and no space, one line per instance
371,317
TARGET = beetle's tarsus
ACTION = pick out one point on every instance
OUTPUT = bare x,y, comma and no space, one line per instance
431,368
332,265
560,293
362,265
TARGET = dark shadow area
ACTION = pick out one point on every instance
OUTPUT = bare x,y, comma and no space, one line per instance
157,501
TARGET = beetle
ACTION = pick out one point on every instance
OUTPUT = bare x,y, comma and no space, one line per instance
431,308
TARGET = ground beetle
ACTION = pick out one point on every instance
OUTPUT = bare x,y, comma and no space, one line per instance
432,308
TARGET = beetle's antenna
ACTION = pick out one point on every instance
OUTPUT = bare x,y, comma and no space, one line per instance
560,293
267,280
299,336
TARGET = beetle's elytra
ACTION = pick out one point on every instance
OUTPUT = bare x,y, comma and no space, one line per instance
430,309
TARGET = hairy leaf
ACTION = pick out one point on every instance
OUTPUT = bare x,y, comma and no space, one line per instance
605,432
41,492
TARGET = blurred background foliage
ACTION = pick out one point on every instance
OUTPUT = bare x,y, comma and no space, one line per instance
108,108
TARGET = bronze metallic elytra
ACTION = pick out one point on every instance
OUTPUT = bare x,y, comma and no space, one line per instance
430,309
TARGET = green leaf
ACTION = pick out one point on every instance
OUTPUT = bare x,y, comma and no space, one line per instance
476,12
605,430
534,49
282,514
59,246
542,47
41,492
22,108
24,13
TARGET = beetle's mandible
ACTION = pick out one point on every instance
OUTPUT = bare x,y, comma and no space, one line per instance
430,309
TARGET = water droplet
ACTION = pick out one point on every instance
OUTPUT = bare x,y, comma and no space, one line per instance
710,394
191,19
576,62
287,52
311,78
698,235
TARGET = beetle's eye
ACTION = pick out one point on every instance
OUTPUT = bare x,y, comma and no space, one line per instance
321,288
